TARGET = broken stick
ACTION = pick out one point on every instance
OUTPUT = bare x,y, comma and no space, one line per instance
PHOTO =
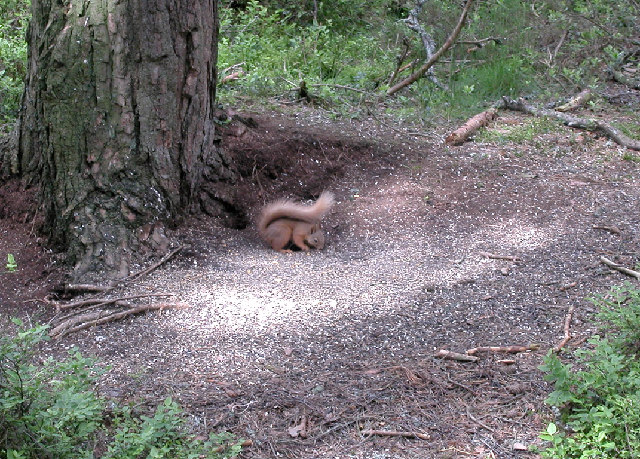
567,331
449,355
508,349
84,321
394,433
500,257
622,269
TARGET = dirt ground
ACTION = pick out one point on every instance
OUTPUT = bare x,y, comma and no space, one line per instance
319,355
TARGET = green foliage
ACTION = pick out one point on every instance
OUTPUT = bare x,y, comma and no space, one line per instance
277,53
14,16
11,263
530,130
599,401
50,409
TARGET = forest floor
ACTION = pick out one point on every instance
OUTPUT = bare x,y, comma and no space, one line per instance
311,355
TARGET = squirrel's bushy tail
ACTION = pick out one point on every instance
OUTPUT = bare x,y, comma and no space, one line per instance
295,211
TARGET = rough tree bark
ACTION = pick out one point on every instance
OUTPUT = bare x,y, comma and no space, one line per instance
117,124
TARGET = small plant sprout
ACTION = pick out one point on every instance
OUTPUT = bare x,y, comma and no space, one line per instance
11,263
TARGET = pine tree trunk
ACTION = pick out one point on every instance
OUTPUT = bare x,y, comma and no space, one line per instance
117,123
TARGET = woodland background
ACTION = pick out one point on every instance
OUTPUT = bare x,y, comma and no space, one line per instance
340,58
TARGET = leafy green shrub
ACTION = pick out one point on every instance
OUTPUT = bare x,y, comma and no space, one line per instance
14,16
599,402
50,410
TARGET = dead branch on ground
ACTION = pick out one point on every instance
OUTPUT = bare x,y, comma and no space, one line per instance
578,100
474,419
622,269
580,123
474,123
83,321
90,288
611,229
434,58
394,433
104,301
508,349
164,259
449,355
567,330
500,257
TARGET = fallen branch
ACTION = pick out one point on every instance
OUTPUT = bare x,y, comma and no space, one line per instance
394,433
579,100
86,288
500,257
400,60
580,123
104,302
611,229
449,355
473,418
427,65
622,269
465,131
164,259
508,349
567,331
84,321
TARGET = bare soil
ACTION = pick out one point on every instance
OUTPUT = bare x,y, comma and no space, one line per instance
303,353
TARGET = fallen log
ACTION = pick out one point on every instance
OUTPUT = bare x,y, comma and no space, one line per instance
474,123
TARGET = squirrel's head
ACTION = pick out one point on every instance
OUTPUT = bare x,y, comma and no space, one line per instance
315,238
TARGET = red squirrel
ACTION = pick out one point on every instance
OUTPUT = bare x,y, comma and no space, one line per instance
283,222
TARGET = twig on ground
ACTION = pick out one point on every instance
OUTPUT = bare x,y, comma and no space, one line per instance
86,288
164,259
622,269
567,287
455,383
567,330
104,302
449,355
611,229
579,100
500,257
508,349
477,421
394,433
84,321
